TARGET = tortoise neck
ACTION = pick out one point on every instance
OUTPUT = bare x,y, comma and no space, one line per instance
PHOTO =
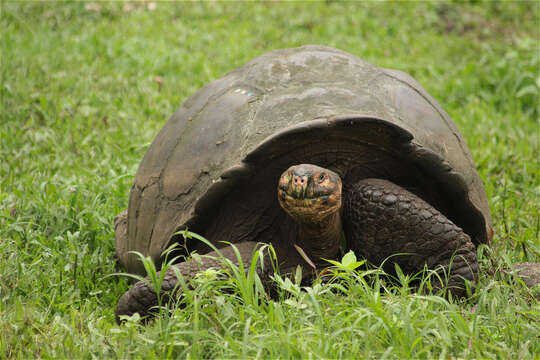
321,239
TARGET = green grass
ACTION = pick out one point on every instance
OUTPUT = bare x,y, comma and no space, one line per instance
80,104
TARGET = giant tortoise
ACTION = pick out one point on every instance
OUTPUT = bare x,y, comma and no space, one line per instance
297,148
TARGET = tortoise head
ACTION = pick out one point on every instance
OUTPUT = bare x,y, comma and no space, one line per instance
309,193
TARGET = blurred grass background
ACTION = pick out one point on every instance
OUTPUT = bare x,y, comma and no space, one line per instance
87,85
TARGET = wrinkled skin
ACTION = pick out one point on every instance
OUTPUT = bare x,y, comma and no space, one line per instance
379,219
311,195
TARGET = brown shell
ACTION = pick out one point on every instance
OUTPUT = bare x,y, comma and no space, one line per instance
214,166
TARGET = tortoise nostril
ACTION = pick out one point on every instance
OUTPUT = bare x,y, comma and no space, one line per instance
299,180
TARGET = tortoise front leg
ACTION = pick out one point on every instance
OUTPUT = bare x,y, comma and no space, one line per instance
382,219
140,298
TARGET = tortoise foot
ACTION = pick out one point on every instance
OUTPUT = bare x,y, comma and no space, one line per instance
142,299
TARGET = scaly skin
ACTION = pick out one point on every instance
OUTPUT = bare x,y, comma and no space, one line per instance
382,219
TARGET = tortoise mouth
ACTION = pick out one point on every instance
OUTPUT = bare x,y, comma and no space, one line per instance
308,202
310,209
283,190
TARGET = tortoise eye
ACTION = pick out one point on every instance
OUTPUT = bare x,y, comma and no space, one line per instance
322,177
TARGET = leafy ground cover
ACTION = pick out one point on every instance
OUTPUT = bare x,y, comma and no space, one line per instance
85,88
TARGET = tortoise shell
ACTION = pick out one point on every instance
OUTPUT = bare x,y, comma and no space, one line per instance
214,167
